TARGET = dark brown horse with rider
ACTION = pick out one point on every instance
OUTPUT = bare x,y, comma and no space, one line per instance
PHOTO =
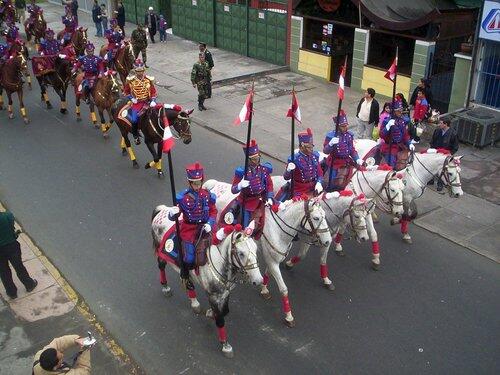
123,62
78,40
12,80
36,30
151,124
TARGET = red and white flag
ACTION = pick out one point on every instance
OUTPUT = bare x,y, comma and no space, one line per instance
294,110
341,89
246,111
168,139
393,70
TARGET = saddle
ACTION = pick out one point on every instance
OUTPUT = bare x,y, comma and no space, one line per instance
201,247
258,216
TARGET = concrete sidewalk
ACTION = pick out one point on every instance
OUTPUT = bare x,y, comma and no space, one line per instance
470,221
53,309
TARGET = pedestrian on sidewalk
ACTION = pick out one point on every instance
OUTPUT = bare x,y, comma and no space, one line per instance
10,251
50,360
444,137
120,16
210,62
139,42
162,29
151,21
386,112
367,114
200,78
96,18
424,85
21,10
104,17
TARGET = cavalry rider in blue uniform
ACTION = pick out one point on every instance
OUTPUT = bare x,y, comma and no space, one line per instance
305,168
115,38
199,213
49,46
33,10
92,67
397,140
341,154
70,25
255,189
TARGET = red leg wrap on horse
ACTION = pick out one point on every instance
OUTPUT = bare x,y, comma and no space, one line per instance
163,277
192,293
404,226
295,259
286,304
265,279
338,238
222,334
323,270
375,247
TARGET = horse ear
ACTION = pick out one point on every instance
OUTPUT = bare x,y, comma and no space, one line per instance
189,111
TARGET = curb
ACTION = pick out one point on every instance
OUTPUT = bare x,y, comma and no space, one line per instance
83,308
246,77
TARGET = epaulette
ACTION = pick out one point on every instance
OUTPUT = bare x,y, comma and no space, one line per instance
130,77
151,78
239,172
268,166
316,153
179,196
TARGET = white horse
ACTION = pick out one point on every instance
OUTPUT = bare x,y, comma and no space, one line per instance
384,187
421,169
280,228
237,253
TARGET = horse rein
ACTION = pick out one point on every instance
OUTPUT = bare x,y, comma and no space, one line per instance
349,211
384,189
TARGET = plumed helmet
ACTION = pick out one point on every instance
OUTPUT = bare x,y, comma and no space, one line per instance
306,137
139,65
113,22
49,32
398,105
253,148
89,47
342,119
194,172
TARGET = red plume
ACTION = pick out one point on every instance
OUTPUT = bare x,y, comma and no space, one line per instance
238,227
346,193
384,167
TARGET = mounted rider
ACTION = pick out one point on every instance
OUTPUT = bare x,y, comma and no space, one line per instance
70,25
197,206
305,168
397,141
8,10
92,67
255,188
13,41
141,92
341,154
115,38
34,12
49,46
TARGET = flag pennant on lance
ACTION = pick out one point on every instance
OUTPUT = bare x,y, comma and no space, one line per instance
341,89
246,110
168,139
393,70
294,110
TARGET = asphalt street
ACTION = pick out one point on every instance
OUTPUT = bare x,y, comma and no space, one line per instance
432,308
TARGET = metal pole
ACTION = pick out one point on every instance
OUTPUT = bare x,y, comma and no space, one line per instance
249,133
292,145
474,57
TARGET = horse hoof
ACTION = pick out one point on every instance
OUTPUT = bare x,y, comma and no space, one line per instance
135,165
227,350
288,265
375,266
124,152
290,323
160,174
78,118
196,309
63,111
105,135
96,126
49,106
147,166
26,121
330,286
407,240
11,116
340,253
209,314
167,291
394,221
266,296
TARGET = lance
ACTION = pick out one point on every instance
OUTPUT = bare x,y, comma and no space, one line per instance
393,102
292,145
249,134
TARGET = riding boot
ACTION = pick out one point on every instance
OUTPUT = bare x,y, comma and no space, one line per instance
202,104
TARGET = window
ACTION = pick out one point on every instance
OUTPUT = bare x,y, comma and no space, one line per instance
318,36
488,90
382,50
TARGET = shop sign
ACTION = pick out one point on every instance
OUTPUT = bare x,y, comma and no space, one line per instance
490,22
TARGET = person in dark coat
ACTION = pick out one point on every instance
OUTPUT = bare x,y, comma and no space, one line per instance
96,18
73,4
151,22
120,16
444,137
210,63
424,85
10,252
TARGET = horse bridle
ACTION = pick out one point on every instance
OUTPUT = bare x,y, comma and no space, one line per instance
177,134
448,183
384,189
349,211
234,261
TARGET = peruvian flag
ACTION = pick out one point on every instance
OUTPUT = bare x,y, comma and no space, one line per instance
246,111
168,139
393,70
340,91
294,110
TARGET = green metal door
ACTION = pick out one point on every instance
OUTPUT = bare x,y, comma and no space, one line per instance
193,20
230,26
267,36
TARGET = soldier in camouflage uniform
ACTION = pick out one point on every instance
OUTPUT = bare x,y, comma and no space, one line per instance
200,78
140,43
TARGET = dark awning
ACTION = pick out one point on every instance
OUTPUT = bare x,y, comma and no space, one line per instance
403,15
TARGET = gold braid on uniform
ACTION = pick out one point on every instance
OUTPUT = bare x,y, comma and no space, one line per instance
140,87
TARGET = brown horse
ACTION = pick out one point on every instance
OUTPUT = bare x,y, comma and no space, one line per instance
105,92
151,126
78,40
123,61
11,79
20,47
37,30
59,79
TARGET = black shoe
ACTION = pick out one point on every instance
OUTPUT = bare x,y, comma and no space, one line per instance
200,107
204,108
137,141
12,296
35,283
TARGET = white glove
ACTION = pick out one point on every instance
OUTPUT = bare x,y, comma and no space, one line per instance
152,104
270,201
412,147
389,124
220,234
359,161
243,184
333,141
318,188
207,228
62,56
41,53
290,167
174,211
134,100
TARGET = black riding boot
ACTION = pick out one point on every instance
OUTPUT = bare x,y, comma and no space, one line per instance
200,103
